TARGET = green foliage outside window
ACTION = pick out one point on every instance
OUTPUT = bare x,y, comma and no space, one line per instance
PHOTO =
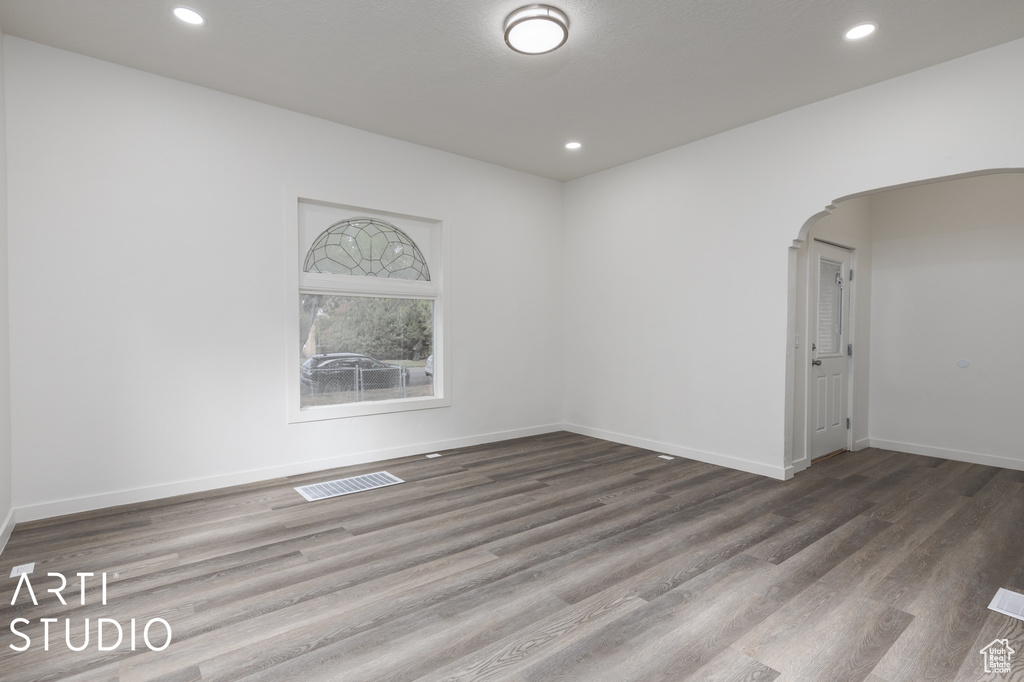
383,328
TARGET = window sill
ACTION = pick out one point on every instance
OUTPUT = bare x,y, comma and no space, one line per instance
323,412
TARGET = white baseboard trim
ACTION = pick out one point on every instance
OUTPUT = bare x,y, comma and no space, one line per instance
861,444
796,467
944,453
76,505
6,529
728,461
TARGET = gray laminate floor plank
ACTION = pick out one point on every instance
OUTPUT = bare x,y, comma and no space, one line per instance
553,557
703,632
949,616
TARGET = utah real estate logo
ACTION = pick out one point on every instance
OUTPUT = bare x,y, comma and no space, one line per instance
997,655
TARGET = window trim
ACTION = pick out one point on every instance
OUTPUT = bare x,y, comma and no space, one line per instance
354,285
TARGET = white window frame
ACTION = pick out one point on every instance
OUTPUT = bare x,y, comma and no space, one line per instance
351,285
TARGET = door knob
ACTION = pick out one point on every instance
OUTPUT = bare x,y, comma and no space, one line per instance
815,362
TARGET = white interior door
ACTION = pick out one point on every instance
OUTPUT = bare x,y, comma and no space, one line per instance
830,364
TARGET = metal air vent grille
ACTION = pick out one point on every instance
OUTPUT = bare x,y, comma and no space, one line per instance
345,486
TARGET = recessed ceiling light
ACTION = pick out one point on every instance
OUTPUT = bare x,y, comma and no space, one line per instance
536,29
573,145
861,31
189,16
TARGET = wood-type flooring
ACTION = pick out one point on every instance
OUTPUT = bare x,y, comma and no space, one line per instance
556,557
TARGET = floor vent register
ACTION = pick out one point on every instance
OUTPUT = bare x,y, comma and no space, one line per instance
346,486
1008,603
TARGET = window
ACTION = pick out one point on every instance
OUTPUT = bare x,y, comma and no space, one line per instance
830,307
342,338
369,311
366,247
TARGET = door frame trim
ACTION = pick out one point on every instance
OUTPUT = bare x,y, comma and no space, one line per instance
798,355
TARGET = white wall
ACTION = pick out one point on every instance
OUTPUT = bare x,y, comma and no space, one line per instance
148,291
677,265
147,285
949,285
6,485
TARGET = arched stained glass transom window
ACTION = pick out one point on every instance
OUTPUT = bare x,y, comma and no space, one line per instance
366,247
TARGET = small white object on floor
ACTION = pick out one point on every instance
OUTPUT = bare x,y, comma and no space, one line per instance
23,569
1008,603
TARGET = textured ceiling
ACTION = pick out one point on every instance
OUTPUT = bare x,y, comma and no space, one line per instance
635,78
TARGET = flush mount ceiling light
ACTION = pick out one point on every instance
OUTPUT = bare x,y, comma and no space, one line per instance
573,145
189,16
861,31
536,29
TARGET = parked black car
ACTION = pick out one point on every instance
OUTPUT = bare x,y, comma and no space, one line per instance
346,371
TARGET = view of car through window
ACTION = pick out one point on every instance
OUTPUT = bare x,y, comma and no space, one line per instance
359,348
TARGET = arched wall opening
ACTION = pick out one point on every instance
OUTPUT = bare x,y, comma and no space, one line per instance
937,304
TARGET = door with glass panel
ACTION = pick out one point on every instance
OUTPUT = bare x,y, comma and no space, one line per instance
830,362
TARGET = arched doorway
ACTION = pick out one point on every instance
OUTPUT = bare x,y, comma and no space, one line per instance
927,257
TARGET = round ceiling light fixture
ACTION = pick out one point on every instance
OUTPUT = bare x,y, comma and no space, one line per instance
573,145
189,16
536,29
861,31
